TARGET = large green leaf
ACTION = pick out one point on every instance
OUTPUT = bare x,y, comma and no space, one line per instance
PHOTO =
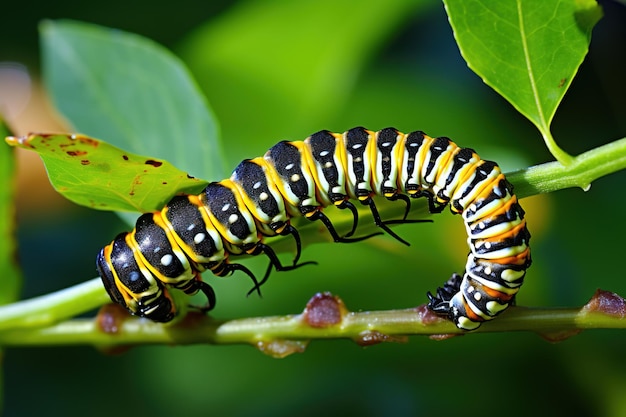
130,92
527,50
98,175
10,278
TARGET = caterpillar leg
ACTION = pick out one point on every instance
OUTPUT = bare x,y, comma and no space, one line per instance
404,219
208,292
434,207
450,302
318,215
345,204
369,201
407,207
288,229
274,263
225,269
440,303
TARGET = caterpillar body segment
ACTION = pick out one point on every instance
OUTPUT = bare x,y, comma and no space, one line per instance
191,234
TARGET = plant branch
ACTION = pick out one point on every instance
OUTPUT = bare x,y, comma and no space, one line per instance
324,317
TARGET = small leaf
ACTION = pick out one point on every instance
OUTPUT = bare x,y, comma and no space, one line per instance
98,175
131,92
10,279
528,51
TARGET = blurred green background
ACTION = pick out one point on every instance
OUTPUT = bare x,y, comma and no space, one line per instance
409,76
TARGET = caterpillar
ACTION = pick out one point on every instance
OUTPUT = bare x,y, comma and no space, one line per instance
193,233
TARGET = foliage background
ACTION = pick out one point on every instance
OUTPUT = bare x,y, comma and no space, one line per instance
415,79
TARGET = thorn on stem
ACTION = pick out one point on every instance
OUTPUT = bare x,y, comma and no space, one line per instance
110,318
324,310
606,302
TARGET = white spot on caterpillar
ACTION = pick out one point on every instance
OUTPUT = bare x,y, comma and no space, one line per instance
233,218
511,275
466,324
477,296
263,196
256,185
386,144
199,238
413,144
358,159
190,227
289,166
328,164
294,178
225,207
356,146
494,307
324,153
166,260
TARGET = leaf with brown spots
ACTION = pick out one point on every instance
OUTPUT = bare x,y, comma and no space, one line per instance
96,174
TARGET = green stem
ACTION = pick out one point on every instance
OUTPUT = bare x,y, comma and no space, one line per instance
54,307
362,327
580,172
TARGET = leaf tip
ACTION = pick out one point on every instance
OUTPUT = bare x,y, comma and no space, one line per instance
18,141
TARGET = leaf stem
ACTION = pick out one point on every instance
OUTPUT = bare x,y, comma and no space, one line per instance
559,154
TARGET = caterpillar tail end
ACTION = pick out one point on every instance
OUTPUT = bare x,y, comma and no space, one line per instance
443,304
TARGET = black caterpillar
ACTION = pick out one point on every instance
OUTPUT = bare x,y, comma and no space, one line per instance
193,233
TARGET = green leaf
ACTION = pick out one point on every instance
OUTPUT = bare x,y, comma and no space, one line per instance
98,175
273,67
10,279
527,50
130,92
